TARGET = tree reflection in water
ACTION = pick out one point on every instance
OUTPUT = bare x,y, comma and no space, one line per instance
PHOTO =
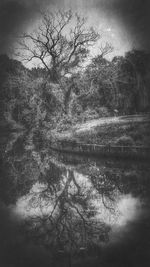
72,208
62,215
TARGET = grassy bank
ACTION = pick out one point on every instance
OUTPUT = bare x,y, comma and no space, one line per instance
124,130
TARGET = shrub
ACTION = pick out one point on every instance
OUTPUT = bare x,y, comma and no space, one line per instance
89,114
103,112
76,108
125,140
65,122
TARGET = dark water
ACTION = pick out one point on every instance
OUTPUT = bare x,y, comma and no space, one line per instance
67,210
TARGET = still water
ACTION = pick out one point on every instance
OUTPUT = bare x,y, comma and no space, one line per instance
70,210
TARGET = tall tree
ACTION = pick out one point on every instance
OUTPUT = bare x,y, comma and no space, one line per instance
61,42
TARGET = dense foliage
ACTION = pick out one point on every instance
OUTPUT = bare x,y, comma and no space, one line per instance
104,88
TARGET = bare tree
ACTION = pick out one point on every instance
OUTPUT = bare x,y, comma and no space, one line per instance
61,42
105,49
71,222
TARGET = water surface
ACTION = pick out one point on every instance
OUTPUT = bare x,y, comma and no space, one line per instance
79,209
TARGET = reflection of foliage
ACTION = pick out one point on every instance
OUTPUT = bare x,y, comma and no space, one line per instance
126,179
17,177
104,186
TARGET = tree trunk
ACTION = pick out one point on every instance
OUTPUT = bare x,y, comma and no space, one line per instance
67,99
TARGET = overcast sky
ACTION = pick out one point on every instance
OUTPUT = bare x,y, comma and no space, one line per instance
124,23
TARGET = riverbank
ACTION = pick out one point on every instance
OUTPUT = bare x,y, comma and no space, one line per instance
123,130
124,136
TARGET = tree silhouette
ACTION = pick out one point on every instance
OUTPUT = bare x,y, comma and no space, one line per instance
60,43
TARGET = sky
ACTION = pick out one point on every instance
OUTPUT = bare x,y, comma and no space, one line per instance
123,23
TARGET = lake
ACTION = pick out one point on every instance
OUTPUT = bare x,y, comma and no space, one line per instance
69,210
